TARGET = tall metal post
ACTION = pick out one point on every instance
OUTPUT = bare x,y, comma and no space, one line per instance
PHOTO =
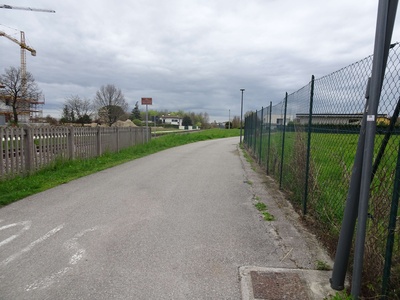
351,210
147,123
241,116
384,29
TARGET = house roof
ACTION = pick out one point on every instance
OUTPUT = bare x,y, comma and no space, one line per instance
171,117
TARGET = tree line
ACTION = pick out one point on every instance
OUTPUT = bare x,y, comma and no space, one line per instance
108,105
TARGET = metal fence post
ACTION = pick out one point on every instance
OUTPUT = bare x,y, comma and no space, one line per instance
386,138
250,118
261,134
255,134
269,135
283,142
246,132
350,212
384,28
308,145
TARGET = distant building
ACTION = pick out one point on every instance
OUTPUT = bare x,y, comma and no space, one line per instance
349,119
276,119
173,120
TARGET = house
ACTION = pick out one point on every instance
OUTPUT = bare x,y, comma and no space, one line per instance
172,120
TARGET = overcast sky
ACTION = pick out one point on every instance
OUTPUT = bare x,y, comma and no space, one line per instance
191,55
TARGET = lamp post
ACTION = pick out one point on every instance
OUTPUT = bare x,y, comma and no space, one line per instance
241,117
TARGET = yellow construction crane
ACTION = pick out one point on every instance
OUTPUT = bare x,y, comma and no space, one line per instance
26,8
23,46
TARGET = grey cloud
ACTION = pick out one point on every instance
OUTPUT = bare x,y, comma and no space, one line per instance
191,55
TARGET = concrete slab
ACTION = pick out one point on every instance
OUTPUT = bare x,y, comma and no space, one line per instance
258,283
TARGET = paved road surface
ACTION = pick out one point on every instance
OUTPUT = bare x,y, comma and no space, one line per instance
174,225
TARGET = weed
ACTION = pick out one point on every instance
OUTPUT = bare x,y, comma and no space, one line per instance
260,206
340,296
322,265
268,216
248,158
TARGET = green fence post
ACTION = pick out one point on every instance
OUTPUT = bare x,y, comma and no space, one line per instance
261,135
269,136
251,131
391,230
308,145
248,124
244,132
386,139
255,135
384,29
283,142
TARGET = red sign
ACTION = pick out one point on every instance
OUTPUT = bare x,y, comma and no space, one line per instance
147,101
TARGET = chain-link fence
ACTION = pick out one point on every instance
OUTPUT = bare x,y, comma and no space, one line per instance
308,142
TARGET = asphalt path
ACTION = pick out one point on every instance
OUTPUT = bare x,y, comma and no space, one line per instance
177,224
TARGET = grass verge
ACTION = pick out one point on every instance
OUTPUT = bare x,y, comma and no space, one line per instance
61,172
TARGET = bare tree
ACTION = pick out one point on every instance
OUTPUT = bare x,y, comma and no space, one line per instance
77,109
18,93
110,103
236,122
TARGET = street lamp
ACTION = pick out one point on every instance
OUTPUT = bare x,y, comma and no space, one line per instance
241,117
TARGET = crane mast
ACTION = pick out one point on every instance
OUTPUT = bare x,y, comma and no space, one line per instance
23,46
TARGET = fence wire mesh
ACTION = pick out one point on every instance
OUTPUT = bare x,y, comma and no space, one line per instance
308,142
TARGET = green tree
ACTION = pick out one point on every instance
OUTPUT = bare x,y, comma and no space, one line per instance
136,112
66,115
85,119
187,121
52,121
79,109
236,122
